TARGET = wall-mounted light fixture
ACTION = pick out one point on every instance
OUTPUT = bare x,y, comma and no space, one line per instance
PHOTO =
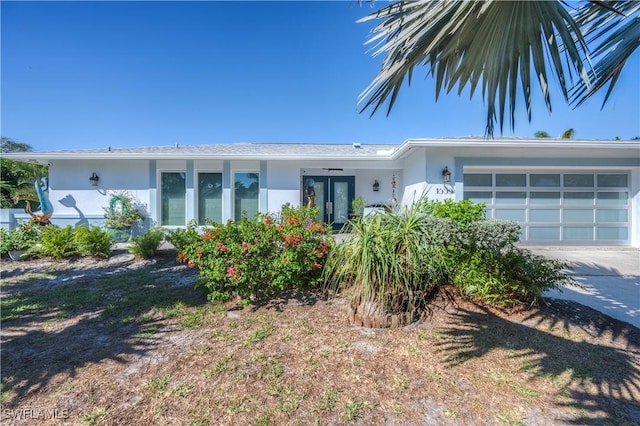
94,179
446,175
376,186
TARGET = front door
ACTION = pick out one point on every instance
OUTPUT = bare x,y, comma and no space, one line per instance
332,195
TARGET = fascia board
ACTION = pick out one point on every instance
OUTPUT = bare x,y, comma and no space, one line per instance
45,157
525,143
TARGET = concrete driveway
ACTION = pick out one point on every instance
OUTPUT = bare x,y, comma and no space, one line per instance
610,276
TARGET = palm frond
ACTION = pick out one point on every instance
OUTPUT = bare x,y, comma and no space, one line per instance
614,28
489,43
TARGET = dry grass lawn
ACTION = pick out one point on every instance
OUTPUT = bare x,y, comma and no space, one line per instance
125,342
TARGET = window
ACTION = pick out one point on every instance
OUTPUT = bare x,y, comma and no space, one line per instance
173,199
542,180
578,180
246,194
612,180
510,179
477,179
209,197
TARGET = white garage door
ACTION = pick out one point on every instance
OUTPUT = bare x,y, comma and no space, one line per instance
554,207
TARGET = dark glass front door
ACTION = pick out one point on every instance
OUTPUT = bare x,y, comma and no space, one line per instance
332,195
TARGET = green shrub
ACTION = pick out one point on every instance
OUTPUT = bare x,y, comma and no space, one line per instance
259,256
183,237
144,246
26,236
440,231
507,278
383,265
5,242
494,235
462,212
57,242
92,241
393,261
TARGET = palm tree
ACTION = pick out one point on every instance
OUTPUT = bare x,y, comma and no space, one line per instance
497,44
17,178
568,134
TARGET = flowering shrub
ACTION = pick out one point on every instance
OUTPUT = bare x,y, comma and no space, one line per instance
259,256
24,237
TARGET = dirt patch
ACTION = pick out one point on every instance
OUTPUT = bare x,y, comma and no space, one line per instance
123,341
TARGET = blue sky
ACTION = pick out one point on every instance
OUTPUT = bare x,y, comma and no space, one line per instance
95,74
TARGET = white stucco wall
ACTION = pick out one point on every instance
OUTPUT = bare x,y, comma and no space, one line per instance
71,194
365,180
423,175
283,181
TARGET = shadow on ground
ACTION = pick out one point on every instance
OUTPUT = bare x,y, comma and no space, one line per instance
601,382
56,322
604,288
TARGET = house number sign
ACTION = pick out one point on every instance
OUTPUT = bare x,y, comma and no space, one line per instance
443,190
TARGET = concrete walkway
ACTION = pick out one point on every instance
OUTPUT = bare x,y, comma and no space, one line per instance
610,276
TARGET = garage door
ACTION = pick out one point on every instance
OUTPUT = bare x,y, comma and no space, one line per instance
554,207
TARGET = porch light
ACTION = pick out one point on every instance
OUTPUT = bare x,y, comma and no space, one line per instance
376,186
446,175
94,179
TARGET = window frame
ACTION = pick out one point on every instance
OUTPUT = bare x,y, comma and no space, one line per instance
233,189
197,193
159,197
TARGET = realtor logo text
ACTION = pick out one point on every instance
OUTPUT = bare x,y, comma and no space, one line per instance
34,413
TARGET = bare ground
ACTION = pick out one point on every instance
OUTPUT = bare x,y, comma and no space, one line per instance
128,342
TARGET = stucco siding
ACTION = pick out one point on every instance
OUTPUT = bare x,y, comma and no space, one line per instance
278,197
366,178
71,195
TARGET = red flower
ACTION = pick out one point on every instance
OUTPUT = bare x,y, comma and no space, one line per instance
315,227
233,273
316,265
293,221
323,247
221,246
292,240
190,264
